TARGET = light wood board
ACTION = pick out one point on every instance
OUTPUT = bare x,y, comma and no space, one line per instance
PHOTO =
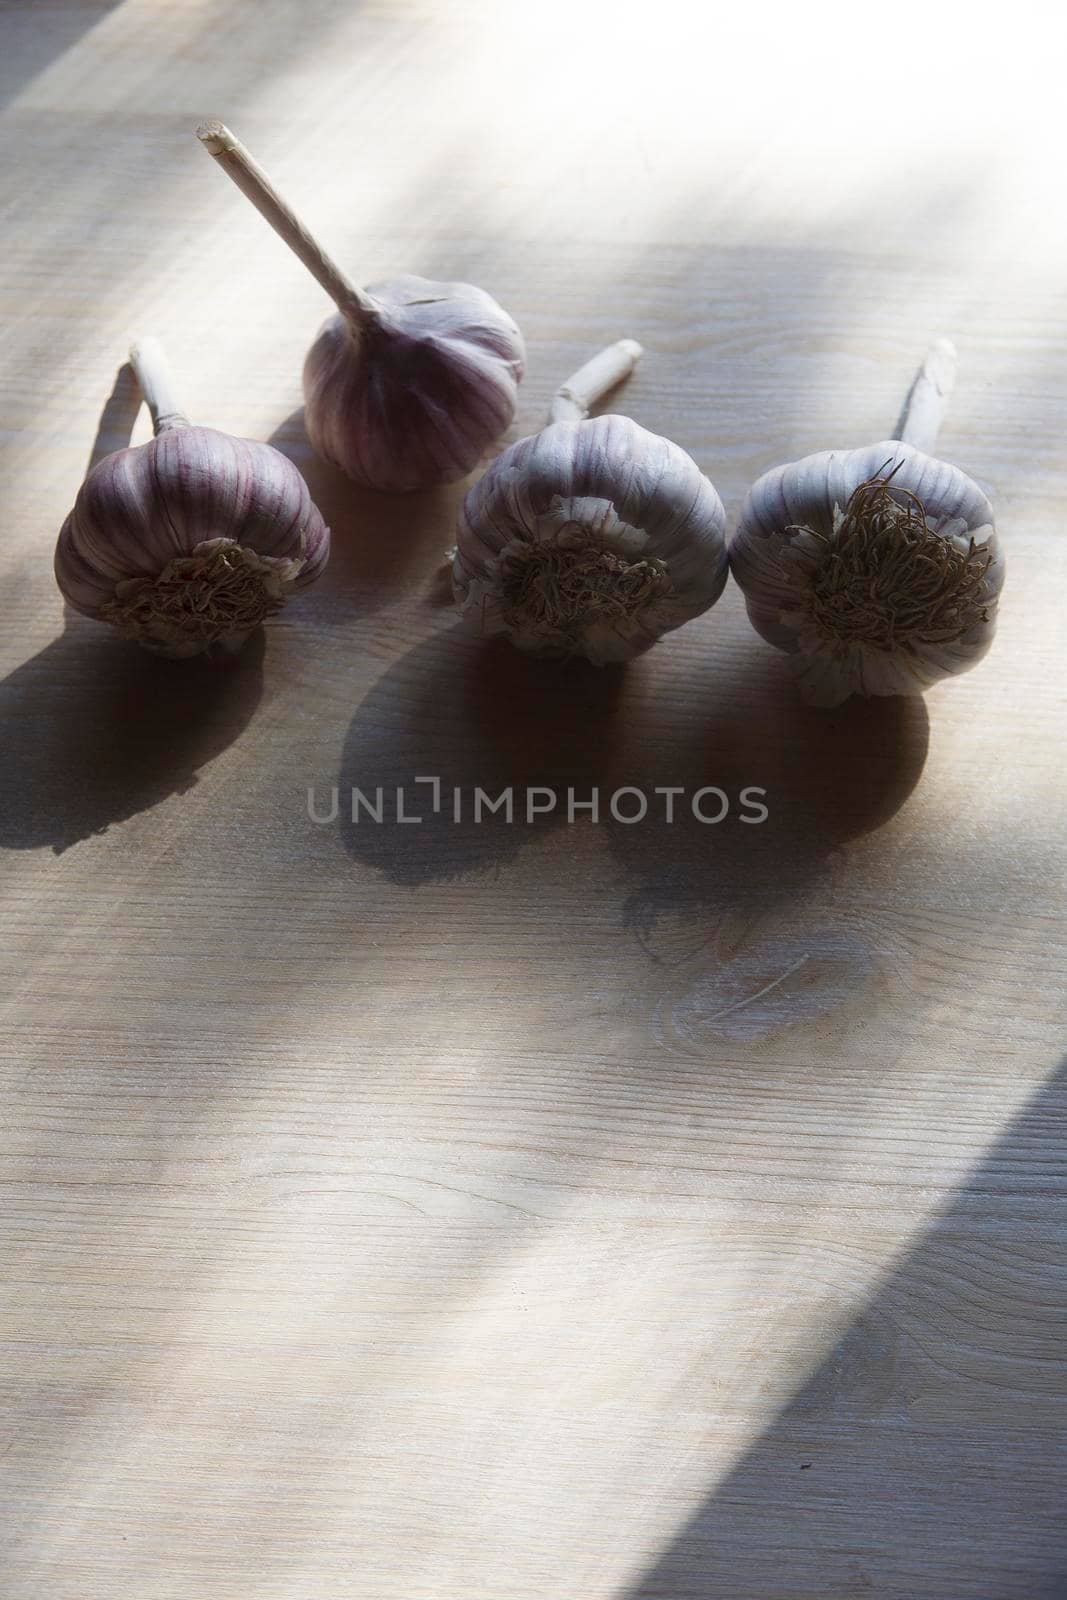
602,1212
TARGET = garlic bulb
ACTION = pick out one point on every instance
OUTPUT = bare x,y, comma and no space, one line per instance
410,382
190,541
878,569
592,538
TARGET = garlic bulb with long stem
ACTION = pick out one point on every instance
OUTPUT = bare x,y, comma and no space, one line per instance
188,542
412,380
592,538
877,570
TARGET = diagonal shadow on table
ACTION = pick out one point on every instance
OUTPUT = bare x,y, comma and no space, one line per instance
478,715
41,35
115,426
380,544
923,1455
730,721
96,730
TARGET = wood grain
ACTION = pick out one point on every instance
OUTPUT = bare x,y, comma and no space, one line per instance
649,1211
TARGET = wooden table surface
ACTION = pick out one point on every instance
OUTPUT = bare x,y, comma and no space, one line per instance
593,1211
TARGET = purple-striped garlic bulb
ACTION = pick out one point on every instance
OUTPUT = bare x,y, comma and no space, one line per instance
592,538
411,381
877,570
187,543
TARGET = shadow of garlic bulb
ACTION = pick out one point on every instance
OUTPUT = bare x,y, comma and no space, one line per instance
592,538
878,569
188,543
412,380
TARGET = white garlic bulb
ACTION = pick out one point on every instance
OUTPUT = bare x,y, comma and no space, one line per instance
593,537
412,380
187,543
412,391
877,570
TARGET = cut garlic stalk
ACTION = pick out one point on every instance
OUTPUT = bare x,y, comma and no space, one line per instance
412,380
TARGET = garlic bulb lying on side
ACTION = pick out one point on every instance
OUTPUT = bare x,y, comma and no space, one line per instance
188,542
412,380
878,570
592,538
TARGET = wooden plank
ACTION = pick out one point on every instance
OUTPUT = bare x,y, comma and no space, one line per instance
407,1211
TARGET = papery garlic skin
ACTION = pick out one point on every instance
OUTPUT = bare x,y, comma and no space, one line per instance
412,381
190,541
413,392
789,517
603,490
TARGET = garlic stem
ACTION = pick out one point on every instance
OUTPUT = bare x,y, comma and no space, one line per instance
149,362
253,182
575,398
928,397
